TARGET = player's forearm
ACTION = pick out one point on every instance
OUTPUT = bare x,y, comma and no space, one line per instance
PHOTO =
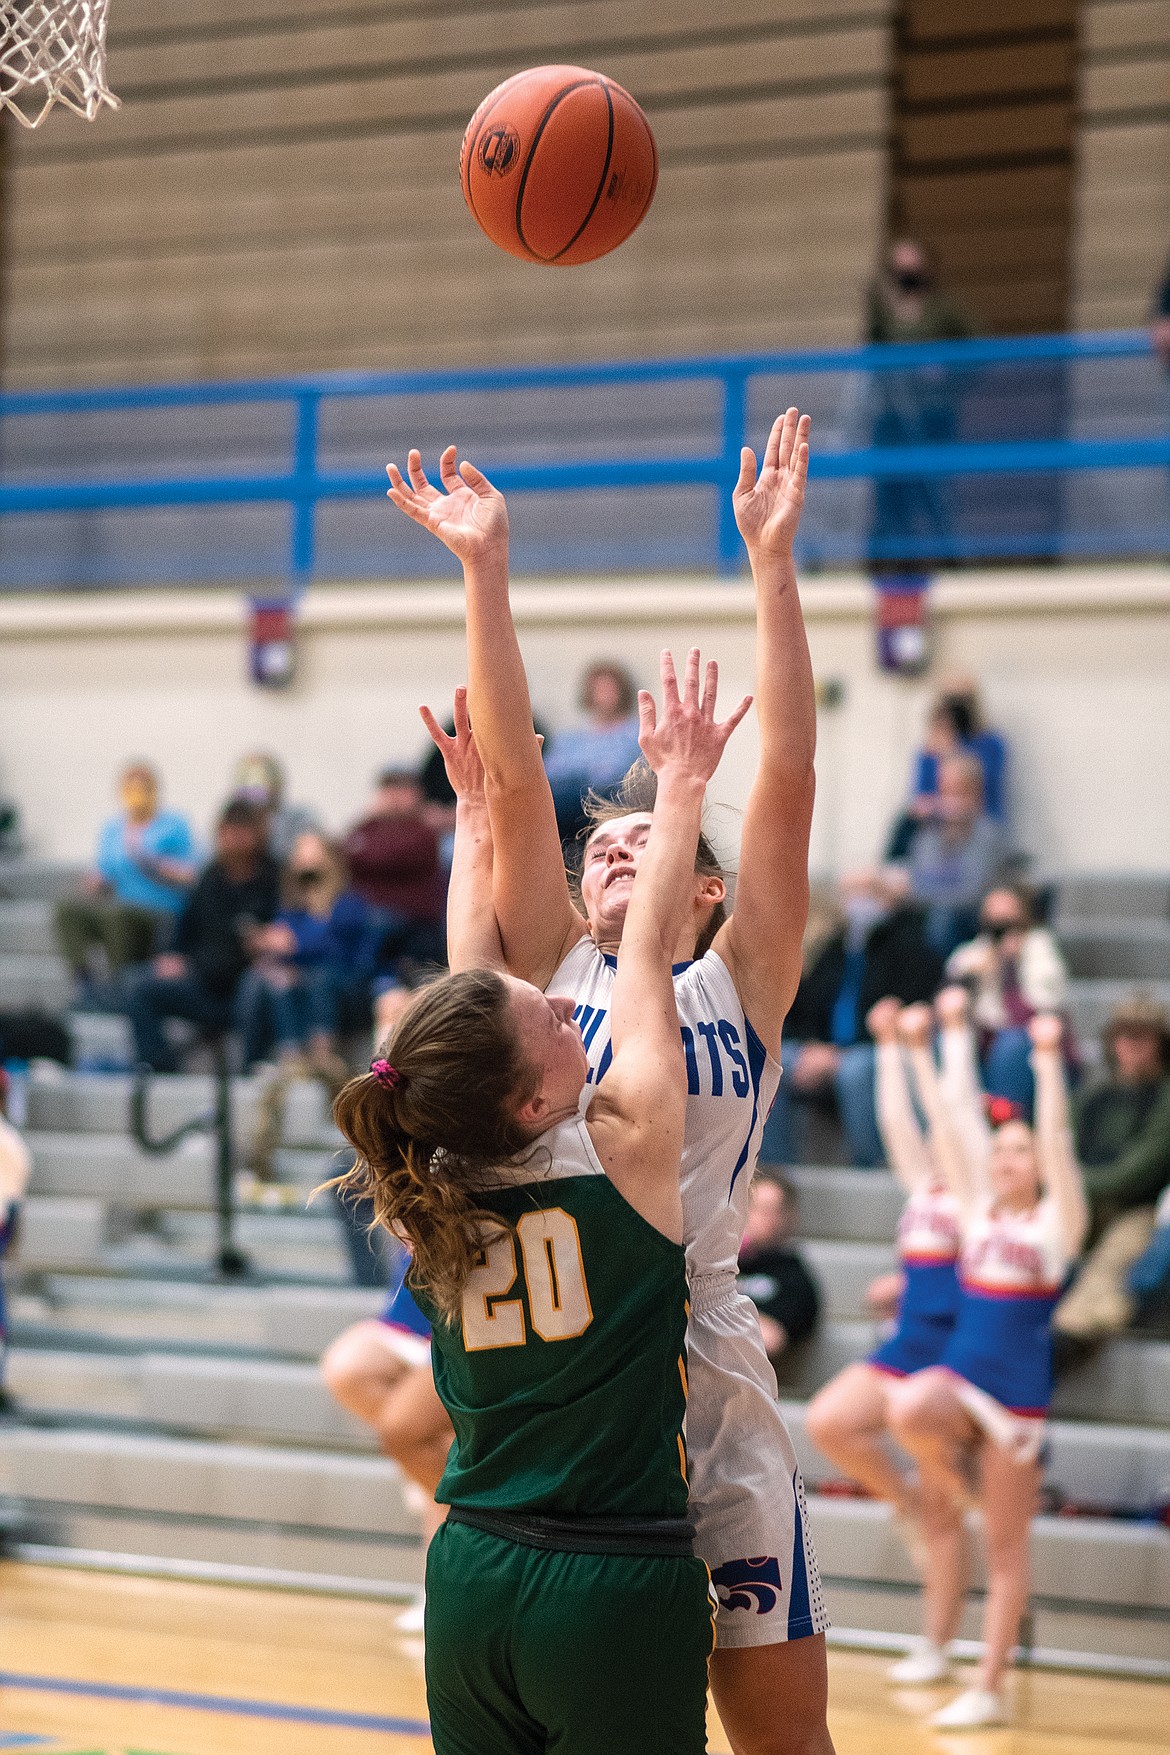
785,693
662,897
473,939
497,685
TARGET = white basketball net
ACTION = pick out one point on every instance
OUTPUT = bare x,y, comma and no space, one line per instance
53,52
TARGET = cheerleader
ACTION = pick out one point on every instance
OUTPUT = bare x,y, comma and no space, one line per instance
982,1407
848,1418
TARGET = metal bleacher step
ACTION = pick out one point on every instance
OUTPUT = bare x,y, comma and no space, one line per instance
172,1499
288,1322
27,879
88,1103
27,926
1136,950
860,1206
37,980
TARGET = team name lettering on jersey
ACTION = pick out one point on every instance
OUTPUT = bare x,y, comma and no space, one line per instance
1021,1258
716,1062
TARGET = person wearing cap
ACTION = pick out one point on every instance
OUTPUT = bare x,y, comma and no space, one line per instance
1121,1124
259,778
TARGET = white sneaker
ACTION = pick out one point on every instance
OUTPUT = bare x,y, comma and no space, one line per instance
412,1619
923,1664
971,1711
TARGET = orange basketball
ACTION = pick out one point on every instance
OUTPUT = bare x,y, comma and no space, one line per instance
558,165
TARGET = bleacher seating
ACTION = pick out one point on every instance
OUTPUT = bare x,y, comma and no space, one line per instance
164,1415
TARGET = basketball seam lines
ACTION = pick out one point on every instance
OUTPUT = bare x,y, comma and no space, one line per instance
601,184
577,85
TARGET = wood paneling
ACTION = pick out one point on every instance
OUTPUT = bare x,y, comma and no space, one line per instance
1122,229
280,189
982,152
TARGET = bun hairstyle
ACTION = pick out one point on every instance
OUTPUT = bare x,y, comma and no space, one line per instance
424,1143
636,794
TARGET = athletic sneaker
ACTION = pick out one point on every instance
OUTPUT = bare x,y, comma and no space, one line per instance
412,1619
924,1663
971,1711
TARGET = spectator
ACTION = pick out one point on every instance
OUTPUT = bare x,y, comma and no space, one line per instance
773,1274
197,980
954,727
880,948
1160,325
1149,1277
312,968
394,864
145,867
914,406
596,756
259,778
958,856
1121,1125
1014,970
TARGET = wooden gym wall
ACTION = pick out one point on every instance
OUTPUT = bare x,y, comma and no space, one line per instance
280,191
1123,194
982,152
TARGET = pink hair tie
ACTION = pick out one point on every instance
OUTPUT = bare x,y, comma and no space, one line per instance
387,1076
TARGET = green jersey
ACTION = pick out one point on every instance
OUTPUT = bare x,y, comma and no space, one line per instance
565,1374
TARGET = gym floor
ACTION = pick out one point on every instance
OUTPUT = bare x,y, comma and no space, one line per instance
102,1664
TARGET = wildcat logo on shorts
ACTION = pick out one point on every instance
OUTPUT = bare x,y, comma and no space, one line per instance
749,1584
498,151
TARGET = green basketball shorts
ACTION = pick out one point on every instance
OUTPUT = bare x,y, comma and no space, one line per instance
529,1651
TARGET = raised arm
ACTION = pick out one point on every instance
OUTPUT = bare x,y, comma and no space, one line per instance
473,938
538,922
761,943
961,1089
636,1116
906,1150
916,1025
1059,1170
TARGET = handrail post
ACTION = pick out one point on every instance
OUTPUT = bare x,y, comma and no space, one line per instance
734,427
304,510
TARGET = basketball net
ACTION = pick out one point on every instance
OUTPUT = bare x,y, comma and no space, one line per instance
54,52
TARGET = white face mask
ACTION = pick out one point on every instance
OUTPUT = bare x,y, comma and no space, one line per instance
862,914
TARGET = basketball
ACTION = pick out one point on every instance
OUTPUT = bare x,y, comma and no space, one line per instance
558,165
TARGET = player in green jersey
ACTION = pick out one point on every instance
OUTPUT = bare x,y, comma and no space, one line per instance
565,1608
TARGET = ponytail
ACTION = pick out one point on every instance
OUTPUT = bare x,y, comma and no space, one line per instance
425,1137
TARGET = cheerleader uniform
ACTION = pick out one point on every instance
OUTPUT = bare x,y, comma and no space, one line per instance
1012,1269
409,1329
929,1239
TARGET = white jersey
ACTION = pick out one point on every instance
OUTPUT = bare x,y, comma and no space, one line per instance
1008,1255
731,1083
746,1495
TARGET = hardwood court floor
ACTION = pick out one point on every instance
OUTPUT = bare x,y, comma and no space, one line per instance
96,1664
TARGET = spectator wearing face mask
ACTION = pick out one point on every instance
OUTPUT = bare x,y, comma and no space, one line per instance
958,856
772,1273
1014,971
144,868
878,947
913,406
197,979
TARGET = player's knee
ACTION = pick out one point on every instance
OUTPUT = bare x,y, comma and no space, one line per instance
824,1421
345,1369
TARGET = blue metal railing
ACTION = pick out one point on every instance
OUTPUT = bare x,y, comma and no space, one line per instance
922,453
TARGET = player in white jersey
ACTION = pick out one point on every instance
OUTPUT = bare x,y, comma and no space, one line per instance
983,1404
768,1671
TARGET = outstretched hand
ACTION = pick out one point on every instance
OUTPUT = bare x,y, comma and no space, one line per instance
460,755
768,504
685,738
470,518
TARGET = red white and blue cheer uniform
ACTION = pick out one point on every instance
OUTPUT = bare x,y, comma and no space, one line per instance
1012,1269
930,1234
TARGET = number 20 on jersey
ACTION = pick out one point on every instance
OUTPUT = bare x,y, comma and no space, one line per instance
554,1279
